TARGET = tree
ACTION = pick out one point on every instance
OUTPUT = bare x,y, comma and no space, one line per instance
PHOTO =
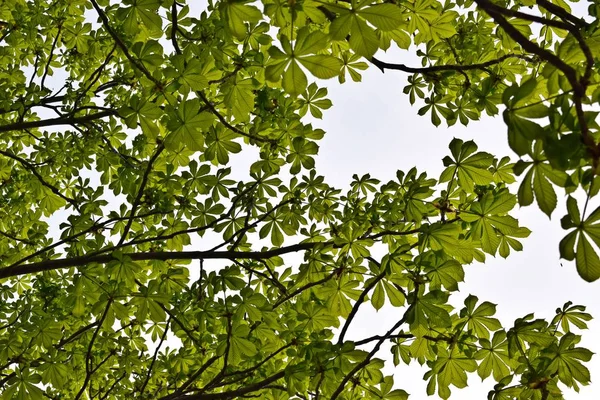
117,199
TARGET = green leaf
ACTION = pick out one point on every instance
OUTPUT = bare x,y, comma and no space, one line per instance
494,357
479,320
363,39
294,79
238,14
544,194
386,17
468,167
378,298
447,275
240,99
322,66
187,126
567,361
586,259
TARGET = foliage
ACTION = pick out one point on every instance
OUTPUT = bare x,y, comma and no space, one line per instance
117,198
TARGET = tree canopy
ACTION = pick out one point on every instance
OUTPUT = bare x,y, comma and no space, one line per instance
132,265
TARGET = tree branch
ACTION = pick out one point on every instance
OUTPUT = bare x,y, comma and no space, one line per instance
449,67
96,226
20,126
221,118
529,46
138,64
174,28
47,67
140,193
234,393
88,357
31,168
489,6
357,305
376,348
562,13
160,343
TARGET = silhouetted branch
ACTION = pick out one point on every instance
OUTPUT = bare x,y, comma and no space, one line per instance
140,193
138,64
20,126
448,67
31,168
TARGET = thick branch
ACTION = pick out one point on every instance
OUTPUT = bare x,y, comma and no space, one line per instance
562,13
489,6
529,46
80,261
449,67
233,394
174,28
19,126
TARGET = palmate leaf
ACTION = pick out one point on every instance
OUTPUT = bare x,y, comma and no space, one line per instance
567,361
442,27
363,39
441,271
337,294
287,62
491,225
240,346
446,236
386,391
531,331
189,74
494,357
146,112
237,15
479,319
508,241
301,156
450,368
429,313
239,98
187,125
144,12
467,167
353,23
538,181
576,244
315,101
502,171
570,314
219,144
